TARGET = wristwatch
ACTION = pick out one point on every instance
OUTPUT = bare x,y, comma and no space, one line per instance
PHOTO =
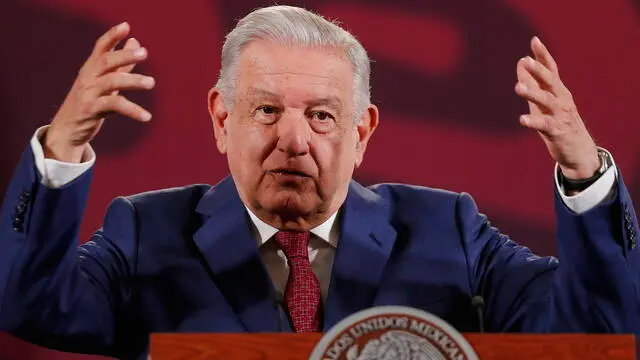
579,185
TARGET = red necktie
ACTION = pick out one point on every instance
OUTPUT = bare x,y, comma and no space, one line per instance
302,294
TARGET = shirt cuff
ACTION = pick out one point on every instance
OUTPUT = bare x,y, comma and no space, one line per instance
54,173
594,194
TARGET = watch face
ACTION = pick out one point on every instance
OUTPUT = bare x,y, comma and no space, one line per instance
605,161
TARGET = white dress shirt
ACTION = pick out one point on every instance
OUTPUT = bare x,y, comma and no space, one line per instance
322,248
324,238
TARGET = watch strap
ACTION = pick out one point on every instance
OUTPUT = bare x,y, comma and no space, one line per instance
582,184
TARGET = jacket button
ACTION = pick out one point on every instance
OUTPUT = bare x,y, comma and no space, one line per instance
17,226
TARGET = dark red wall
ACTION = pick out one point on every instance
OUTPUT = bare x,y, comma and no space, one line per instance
443,78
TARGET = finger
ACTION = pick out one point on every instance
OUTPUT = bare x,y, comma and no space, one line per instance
527,79
543,55
544,99
118,81
121,105
113,61
131,44
111,38
542,123
545,78
524,76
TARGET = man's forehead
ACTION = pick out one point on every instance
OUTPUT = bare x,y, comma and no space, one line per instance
310,75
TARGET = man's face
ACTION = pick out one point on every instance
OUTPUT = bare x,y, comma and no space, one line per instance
291,140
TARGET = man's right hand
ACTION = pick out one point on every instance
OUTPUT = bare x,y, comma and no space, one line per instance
95,93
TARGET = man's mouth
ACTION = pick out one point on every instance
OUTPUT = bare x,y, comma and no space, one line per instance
289,172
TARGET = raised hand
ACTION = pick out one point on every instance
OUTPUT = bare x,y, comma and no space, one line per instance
554,115
95,93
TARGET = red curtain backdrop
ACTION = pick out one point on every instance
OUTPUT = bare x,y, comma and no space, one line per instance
443,77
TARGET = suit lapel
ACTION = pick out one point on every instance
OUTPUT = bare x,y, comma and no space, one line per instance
231,254
366,241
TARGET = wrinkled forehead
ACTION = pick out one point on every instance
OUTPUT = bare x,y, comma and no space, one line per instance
282,69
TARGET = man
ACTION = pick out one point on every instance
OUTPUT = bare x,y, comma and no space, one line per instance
291,111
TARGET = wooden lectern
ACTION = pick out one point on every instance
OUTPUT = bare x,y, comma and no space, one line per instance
288,346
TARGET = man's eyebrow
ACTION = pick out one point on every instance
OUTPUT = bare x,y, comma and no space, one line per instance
261,92
332,101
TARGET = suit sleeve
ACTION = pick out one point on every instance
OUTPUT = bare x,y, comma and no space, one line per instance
52,292
593,285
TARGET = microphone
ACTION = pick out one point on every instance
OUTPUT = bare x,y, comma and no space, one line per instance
477,302
279,304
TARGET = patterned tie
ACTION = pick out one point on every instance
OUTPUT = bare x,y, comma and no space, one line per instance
302,294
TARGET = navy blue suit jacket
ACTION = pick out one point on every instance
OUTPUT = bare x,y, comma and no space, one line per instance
185,260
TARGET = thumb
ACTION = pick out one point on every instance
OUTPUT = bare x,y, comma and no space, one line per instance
541,123
131,44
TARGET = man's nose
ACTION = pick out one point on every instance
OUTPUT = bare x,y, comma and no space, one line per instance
294,135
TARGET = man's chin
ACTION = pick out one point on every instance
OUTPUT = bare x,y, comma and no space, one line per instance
289,204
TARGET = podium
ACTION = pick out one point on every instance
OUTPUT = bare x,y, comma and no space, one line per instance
288,346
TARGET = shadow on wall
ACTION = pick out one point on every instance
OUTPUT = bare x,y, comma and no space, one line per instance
45,51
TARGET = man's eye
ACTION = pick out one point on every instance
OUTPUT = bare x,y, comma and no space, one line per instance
268,110
322,116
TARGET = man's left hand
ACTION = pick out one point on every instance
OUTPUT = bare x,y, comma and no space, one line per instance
554,115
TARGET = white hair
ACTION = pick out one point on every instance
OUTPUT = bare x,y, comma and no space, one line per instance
294,26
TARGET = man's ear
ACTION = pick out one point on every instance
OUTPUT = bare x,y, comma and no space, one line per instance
365,128
219,115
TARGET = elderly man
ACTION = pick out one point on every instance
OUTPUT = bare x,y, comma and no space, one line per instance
291,111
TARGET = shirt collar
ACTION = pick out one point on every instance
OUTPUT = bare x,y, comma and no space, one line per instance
323,231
